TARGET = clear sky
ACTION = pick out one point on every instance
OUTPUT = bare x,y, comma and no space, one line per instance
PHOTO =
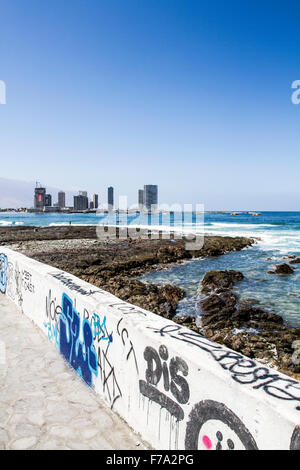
193,96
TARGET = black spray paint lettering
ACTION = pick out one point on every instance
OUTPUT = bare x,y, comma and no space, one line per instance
127,343
71,284
243,370
52,308
172,376
127,309
27,281
108,376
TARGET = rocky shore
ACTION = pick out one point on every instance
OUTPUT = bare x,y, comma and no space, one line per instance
242,325
114,265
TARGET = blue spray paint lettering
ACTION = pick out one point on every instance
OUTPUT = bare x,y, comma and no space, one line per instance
3,273
52,332
99,329
84,362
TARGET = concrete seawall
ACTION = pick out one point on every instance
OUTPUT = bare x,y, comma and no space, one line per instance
174,387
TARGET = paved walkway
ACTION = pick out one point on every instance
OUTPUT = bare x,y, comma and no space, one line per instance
43,403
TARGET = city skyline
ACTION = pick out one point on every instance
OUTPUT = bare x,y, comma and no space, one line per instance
147,199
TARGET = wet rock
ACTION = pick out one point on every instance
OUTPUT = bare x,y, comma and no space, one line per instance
172,294
167,254
219,303
248,313
282,269
244,326
295,261
250,302
220,280
161,300
184,319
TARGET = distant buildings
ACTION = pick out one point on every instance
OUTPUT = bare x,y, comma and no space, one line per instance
81,202
61,198
141,199
147,200
48,200
110,198
150,196
43,201
39,197
95,200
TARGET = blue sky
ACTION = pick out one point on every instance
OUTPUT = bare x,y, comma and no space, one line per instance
193,96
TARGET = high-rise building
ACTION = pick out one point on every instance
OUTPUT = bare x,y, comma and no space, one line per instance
61,197
110,198
150,196
81,202
39,197
141,198
48,200
95,201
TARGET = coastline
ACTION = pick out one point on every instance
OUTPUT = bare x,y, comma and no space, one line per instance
114,265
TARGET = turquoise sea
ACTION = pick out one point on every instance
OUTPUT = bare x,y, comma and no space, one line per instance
278,233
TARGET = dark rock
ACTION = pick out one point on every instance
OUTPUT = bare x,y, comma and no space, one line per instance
184,319
220,280
295,261
172,294
282,269
248,313
250,302
219,303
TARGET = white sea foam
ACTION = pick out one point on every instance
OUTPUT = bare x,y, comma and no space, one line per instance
237,225
8,223
67,224
5,223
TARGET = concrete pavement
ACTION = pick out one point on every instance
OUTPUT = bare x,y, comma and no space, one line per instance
43,403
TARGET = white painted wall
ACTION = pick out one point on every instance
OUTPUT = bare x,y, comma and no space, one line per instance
176,388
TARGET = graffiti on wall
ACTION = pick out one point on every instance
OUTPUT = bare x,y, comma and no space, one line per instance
14,283
162,378
80,355
27,282
127,344
3,273
89,357
172,378
213,426
242,370
100,330
72,285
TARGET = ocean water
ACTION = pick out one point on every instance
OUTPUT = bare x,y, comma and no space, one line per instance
277,233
